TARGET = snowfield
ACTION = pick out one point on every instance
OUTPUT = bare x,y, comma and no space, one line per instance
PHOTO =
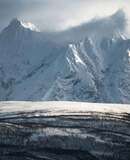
64,130
62,107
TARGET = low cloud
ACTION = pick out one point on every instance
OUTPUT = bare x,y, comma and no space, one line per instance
58,14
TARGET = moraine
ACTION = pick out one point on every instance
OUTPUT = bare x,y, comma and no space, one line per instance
64,130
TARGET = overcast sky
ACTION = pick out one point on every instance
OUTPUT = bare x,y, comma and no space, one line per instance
58,14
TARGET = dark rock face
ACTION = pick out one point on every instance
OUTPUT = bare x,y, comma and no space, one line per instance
90,136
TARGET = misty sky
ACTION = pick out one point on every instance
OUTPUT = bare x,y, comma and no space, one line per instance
58,14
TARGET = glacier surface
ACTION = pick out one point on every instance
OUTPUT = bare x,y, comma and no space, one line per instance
64,130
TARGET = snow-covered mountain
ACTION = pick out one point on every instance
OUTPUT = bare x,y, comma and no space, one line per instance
90,62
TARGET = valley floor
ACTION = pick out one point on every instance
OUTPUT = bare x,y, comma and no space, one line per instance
64,131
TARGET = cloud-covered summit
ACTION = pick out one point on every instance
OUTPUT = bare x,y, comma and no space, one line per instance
58,14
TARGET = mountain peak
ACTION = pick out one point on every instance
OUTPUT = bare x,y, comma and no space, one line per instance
119,13
16,23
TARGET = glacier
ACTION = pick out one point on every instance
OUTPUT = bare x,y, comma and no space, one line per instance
64,130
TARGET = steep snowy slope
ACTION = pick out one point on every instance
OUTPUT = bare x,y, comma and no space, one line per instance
23,52
90,62
97,72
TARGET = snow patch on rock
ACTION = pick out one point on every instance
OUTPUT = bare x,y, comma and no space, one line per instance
30,26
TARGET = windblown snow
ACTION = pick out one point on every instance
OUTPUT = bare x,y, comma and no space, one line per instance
29,25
